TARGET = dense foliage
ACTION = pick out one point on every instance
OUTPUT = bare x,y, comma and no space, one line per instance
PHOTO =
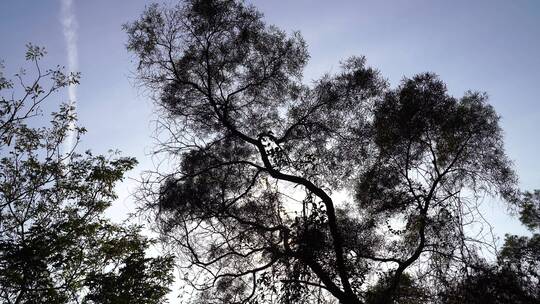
346,190
56,245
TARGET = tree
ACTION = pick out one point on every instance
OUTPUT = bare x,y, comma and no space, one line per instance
56,245
515,277
262,160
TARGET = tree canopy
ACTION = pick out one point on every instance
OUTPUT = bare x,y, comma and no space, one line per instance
56,245
343,190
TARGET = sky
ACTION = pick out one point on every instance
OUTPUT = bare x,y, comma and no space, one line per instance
490,45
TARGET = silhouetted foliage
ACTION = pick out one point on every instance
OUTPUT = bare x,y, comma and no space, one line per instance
56,245
489,284
407,291
260,162
515,277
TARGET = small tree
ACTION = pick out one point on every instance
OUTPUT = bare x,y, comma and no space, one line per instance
515,277
262,157
56,246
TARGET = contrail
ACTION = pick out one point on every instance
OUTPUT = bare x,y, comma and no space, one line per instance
69,28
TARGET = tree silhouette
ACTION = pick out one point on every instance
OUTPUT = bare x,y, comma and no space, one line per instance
515,277
345,190
56,245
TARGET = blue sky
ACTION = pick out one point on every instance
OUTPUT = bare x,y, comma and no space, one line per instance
492,46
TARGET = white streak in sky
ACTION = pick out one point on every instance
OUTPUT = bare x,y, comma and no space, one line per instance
69,28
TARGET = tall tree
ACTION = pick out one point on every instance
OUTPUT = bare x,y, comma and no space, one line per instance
263,161
56,245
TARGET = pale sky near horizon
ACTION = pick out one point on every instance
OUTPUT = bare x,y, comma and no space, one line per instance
491,46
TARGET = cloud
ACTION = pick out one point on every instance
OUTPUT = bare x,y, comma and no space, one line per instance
69,28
